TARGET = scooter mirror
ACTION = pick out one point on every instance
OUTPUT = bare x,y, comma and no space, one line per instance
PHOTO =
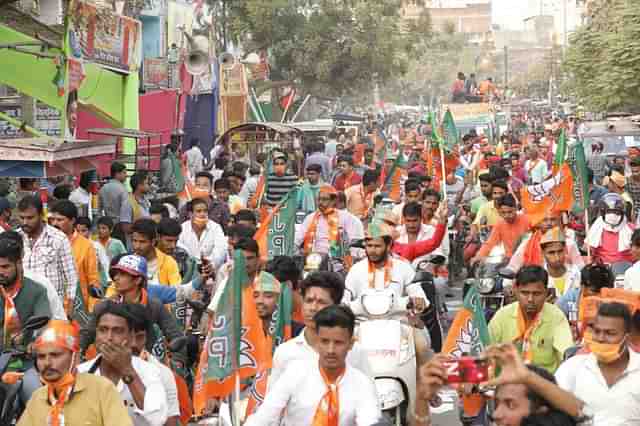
438,260
506,273
35,323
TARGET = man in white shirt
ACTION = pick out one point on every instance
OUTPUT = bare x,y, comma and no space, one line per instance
195,159
201,237
328,230
140,322
607,380
55,302
536,168
137,381
319,290
381,270
329,391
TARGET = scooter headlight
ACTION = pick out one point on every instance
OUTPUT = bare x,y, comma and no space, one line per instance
486,285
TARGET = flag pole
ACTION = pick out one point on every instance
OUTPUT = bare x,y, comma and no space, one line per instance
444,179
286,110
586,230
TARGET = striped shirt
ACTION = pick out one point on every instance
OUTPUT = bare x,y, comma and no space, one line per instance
50,255
598,164
279,186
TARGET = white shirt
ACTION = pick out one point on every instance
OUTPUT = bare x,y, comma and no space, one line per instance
155,397
212,243
170,387
537,171
55,304
298,349
301,389
347,224
194,161
610,406
103,257
632,278
402,274
80,197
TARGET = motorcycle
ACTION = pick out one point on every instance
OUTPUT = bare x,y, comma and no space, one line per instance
489,282
13,398
390,348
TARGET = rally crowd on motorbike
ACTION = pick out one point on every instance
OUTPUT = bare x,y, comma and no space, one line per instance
121,308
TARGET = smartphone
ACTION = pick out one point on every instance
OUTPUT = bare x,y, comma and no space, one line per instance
203,261
467,369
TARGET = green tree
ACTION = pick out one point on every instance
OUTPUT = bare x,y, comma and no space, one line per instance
328,47
432,68
603,59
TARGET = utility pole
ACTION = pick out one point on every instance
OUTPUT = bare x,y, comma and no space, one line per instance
506,66
564,29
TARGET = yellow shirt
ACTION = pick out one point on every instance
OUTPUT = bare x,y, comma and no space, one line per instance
86,259
488,211
93,402
168,272
549,341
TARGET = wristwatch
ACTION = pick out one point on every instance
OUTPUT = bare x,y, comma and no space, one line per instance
127,379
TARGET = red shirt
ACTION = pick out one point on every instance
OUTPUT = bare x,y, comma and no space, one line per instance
608,251
341,183
420,248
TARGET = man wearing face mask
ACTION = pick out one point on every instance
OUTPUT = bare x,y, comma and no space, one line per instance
281,181
610,235
606,379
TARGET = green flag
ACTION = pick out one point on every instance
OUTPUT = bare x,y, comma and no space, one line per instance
578,164
450,132
80,312
177,171
224,338
469,334
561,150
275,237
282,320
435,137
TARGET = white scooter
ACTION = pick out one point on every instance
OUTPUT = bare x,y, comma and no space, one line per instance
390,349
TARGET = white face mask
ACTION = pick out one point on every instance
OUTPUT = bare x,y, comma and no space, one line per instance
612,219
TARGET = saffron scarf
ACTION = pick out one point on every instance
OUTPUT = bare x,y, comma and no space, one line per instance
12,322
328,410
331,216
387,274
62,388
525,331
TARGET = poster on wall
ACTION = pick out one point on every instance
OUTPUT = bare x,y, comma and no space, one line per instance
101,36
156,72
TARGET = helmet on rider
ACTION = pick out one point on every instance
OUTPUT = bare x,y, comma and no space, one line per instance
611,209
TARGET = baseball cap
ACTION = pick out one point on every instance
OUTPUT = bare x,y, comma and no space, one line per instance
131,264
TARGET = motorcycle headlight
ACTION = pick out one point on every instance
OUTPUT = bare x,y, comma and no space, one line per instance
486,285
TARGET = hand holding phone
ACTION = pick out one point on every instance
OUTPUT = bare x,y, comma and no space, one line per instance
467,369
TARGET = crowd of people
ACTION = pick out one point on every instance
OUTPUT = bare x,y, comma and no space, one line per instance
132,283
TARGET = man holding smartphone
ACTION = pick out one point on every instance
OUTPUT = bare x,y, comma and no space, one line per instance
539,329
525,394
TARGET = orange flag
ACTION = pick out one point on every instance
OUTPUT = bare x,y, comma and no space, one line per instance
551,196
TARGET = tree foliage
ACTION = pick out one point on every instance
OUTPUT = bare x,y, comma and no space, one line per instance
432,68
603,60
329,47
